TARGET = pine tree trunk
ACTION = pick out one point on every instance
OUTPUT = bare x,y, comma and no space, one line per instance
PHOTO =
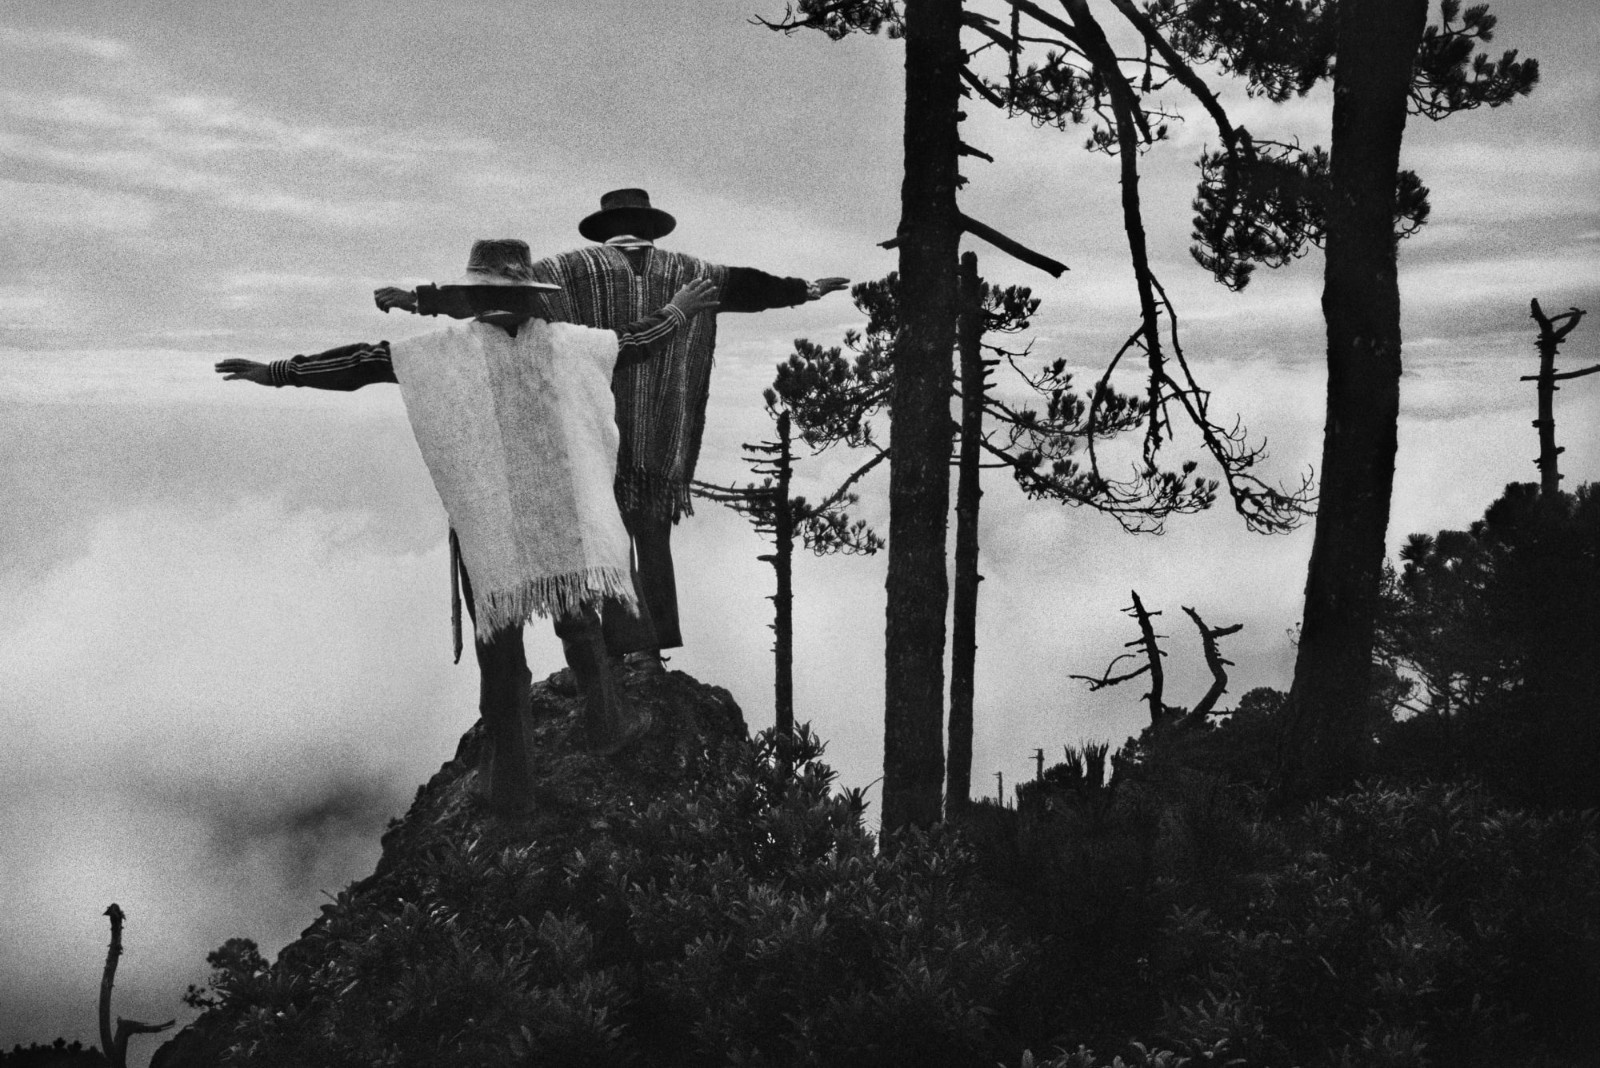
920,426
1549,455
1378,41
783,599
969,492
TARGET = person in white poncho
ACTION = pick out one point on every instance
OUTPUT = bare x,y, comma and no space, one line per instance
515,420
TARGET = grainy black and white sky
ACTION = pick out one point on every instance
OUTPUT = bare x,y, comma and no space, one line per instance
224,653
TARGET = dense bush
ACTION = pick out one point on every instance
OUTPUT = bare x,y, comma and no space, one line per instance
59,1054
1411,926
1499,627
744,917
712,900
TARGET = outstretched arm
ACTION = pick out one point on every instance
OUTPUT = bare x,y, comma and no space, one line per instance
638,339
345,368
750,290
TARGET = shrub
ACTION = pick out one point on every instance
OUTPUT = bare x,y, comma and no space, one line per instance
745,917
59,1054
1395,926
1408,927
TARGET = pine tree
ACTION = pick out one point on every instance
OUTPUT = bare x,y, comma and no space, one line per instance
1264,203
1085,74
824,528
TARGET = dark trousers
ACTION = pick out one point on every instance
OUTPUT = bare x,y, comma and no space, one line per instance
653,580
504,689
504,683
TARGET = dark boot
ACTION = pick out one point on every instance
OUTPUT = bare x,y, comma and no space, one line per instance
646,662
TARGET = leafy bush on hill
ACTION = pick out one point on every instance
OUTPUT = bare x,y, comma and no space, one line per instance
59,1054
711,900
743,917
1499,628
1409,926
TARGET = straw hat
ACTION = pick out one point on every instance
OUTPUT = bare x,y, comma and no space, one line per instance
501,261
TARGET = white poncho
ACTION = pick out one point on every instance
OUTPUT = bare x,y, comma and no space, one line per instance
520,436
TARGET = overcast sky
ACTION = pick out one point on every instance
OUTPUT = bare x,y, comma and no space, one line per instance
224,648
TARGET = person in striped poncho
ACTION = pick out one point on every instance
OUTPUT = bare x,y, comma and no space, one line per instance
661,403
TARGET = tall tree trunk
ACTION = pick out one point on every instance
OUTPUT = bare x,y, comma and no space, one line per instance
1549,454
920,427
1152,651
1377,45
969,492
1553,329
783,599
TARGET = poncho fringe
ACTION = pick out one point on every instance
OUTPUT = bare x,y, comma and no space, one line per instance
550,595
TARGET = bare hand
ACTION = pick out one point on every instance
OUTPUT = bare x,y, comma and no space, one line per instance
698,296
246,370
394,297
829,285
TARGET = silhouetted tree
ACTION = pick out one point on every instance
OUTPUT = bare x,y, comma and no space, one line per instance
1039,441
937,74
1148,646
1553,330
969,495
1218,663
930,230
1499,627
824,528
59,1054
1264,204
115,1040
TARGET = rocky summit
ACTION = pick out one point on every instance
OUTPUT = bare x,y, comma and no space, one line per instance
581,798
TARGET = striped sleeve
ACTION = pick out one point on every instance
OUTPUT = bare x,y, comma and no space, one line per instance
638,339
345,368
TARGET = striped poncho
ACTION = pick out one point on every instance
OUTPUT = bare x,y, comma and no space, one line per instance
519,437
660,403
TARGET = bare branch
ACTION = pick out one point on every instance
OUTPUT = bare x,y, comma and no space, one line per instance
844,487
1044,18
1014,248
984,25
982,90
1214,660
1179,69
967,150
1106,679
1147,642
1152,652
1010,246
1266,509
115,1044
1553,330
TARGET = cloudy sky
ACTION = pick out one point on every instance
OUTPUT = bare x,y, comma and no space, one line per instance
224,651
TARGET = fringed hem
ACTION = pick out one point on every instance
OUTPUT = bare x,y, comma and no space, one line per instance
641,492
557,595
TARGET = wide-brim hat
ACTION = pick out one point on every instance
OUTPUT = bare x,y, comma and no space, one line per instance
501,261
626,211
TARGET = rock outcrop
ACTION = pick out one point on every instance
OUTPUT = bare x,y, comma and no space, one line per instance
578,795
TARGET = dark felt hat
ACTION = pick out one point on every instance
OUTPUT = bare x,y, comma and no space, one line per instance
627,211
501,261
